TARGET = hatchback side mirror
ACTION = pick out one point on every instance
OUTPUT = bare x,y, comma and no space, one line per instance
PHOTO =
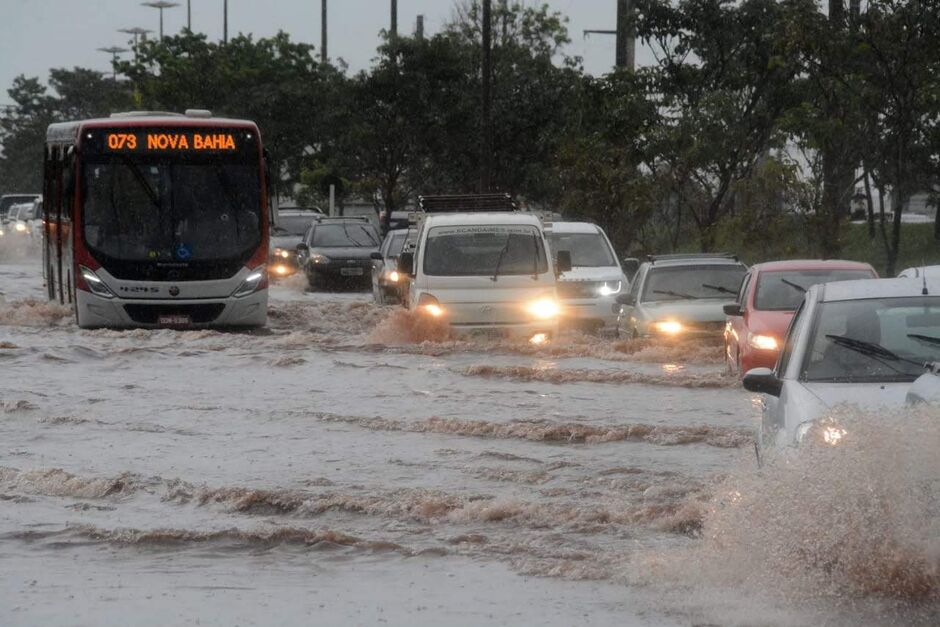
406,264
762,380
302,247
626,299
563,261
733,309
376,255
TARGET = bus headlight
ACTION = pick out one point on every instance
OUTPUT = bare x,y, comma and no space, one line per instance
95,284
608,288
668,327
544,308
251,283
763,342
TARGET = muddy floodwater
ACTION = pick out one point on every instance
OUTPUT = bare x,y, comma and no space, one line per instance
345,466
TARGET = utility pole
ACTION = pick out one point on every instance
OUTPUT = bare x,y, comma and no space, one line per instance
114,51
393,30
160,5
486,157
323,54
224,21
419,28
625,55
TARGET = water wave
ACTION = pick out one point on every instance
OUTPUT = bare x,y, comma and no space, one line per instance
557,375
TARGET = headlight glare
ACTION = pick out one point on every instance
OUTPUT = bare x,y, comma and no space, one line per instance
544,308
763,342
610,287
668,327
428,304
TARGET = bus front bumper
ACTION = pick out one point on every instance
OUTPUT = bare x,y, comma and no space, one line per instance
95,311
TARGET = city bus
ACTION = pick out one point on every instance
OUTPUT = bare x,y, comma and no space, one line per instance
157,220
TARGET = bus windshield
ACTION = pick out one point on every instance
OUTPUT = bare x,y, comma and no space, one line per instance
167,210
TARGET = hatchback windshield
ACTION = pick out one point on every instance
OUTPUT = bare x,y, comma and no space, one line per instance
343,234
783,291
588,250
874,340
488,250
693,282
396,244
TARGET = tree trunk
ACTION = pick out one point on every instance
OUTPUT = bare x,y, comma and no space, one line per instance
870,205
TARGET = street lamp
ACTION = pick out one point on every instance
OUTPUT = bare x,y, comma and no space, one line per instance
114,51
160,4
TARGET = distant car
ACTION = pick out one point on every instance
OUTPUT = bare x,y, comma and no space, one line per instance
387,281
589,290
859,342
289,231
769,295
8,200
680,296
338,251
24,219
398,220
918,272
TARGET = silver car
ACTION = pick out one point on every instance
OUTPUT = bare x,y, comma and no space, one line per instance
680,296
853,342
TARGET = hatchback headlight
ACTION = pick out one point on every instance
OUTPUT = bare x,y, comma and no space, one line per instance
763,342
668,327
317,258
608,288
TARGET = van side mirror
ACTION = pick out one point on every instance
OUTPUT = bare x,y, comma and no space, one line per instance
406,264
733,309
563,261
626,298
762,380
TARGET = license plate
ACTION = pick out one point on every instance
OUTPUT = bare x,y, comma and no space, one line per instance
174,320
350,271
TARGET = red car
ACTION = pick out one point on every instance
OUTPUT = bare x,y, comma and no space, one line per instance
769,295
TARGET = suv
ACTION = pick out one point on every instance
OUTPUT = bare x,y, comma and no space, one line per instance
486,273
589,290
338,250
680,296
8,200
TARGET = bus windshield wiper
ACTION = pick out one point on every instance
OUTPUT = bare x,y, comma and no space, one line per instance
499,260
870,349
795,286
718,288
142,180
676,294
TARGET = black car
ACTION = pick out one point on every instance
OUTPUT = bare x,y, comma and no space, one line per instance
338,251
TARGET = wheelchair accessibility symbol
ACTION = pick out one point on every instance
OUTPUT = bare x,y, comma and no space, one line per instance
182,252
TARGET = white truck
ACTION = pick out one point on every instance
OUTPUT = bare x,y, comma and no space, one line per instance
486,272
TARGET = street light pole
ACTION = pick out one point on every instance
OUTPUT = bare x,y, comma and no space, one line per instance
486,157
160,5
114,51
323,53
625,55
224,21
137,32
393,30
189,15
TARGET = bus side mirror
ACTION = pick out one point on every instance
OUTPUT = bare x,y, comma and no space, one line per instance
563,261
406,264
733,309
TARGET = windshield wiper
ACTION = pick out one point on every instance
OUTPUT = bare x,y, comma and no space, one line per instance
871,349
676,294
499,260
793,285
927,339
718,288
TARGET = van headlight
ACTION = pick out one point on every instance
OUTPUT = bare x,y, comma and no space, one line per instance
20,226
429,305
95,284
251,283
608,288
668,327
544,308
824,432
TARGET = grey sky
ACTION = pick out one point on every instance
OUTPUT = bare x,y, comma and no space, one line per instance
36,35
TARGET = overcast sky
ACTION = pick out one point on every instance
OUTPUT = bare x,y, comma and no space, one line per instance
36,35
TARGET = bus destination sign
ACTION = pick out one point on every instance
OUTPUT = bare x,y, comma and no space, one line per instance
170,141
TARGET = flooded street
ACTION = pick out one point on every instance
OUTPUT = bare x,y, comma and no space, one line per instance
330,469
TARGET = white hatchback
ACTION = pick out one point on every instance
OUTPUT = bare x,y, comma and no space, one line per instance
853,342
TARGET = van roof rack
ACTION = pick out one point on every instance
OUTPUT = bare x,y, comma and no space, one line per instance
458,203
679,256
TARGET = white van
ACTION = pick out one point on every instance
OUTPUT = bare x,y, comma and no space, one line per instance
487,273
589,290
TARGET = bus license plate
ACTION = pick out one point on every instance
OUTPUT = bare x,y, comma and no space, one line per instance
350,271
174,321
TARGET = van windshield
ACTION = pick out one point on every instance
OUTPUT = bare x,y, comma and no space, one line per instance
484,250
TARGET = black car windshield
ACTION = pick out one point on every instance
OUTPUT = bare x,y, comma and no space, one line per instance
873,340
344,235
693,282
153,211
588,250
484,250
783,290
292,225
